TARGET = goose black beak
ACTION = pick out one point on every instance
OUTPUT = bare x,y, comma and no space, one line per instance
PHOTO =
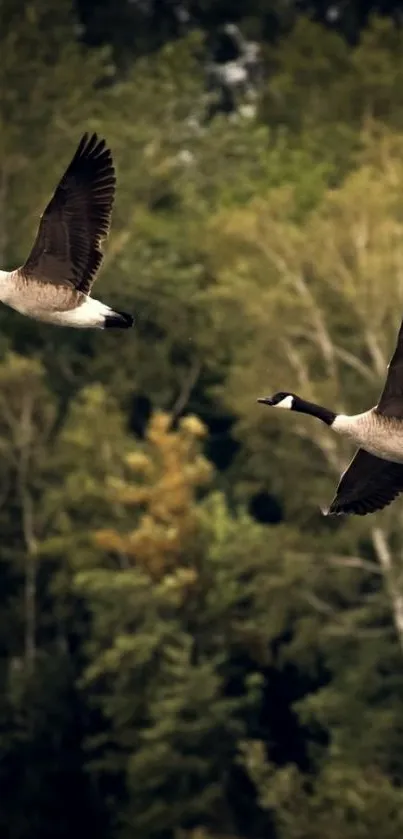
265,400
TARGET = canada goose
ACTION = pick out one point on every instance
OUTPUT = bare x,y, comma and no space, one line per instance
375,475
54,284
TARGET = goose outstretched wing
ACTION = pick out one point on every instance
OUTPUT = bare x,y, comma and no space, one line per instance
68,245
390,403
367,485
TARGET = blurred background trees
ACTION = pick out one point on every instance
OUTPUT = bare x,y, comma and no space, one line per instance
188,649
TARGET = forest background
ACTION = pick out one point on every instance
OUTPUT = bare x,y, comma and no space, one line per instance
189,650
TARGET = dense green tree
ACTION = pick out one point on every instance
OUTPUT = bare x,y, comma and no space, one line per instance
52,488
190,638
340,803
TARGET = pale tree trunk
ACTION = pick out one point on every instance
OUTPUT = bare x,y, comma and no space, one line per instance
393,583
28,531
30,586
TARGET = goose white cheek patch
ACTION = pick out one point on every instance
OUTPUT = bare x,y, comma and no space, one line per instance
287,402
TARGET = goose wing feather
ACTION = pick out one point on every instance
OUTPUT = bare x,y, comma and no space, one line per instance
390,403
68,245
367,485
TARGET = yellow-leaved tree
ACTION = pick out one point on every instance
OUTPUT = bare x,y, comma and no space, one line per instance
163,482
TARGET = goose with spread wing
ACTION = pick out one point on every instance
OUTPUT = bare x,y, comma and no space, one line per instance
374,478
54,284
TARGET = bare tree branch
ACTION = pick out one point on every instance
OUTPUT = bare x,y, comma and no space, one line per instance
374,350
187,387
326,444
355,562
298,365
324,339
340,623
320,605
352,361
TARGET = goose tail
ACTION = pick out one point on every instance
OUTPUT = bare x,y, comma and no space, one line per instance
118,320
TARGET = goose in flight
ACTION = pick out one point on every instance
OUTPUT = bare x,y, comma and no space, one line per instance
54,284
374,478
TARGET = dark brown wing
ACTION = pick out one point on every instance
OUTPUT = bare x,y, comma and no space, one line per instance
367,485
68,243
391,400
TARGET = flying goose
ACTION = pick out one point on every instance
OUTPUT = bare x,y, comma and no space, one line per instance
54,284
374,477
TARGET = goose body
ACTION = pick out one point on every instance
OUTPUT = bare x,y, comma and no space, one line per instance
54,284
374,477
381,436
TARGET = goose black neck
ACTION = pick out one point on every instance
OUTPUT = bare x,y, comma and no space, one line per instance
318,411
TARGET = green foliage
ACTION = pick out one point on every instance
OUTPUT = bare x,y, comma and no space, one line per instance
48,92
341,803
324,91
163,655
